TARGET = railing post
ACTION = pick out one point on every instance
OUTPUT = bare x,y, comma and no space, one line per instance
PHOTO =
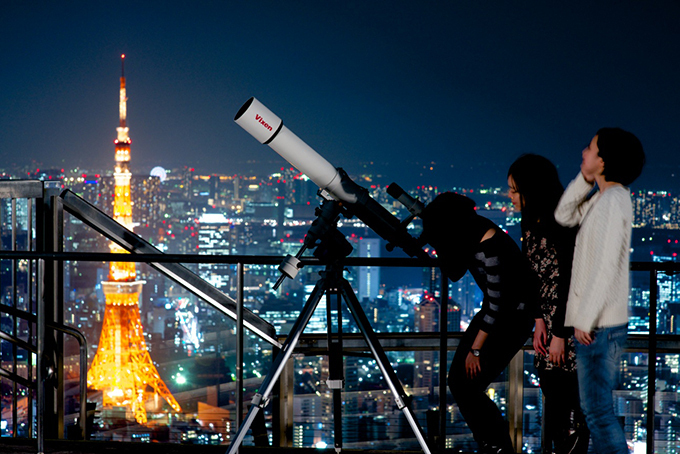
443,357
50,239
30,246
15,319
651,363
82,342
283,436
516,399
40,353
239,344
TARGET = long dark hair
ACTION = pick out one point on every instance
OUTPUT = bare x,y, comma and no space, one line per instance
538,184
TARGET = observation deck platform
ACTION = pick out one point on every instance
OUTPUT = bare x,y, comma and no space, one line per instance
29,446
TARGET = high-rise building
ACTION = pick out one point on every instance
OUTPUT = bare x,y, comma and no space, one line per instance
369,276
426,320
214,238
122,367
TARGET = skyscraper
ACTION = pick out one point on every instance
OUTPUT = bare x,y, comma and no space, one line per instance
122,368
369,276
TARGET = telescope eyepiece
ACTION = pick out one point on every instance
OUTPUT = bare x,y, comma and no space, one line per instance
395,190
413,205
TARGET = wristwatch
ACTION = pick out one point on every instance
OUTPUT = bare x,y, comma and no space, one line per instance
475,352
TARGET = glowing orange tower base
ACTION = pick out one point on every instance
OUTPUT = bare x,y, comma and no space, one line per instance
122,367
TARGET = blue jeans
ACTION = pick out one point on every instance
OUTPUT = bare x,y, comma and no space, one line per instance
598,375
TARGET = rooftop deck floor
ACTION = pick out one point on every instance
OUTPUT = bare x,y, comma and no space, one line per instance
29,446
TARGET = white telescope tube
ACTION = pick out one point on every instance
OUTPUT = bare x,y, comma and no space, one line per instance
268,129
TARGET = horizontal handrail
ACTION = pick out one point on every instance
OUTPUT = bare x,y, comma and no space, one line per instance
314,343
267,259
228,259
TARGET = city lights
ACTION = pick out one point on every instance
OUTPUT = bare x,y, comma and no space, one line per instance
169,333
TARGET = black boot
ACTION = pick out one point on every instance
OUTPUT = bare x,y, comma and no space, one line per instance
578,438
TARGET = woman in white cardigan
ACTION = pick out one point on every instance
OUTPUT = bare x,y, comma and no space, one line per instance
599,202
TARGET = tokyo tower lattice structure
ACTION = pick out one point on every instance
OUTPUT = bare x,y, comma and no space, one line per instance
122,367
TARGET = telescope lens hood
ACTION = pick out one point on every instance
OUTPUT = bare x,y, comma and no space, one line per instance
259,121
243,108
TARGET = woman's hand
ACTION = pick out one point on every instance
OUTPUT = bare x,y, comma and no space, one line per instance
540,337
556,355
587,176
472,365
583,337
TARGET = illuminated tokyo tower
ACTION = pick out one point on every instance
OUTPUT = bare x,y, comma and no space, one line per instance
122,368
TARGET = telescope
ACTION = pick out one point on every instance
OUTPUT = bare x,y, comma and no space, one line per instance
333,182
341,196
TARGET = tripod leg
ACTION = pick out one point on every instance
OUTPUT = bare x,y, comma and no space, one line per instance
260,400
336,383
336,380
383,362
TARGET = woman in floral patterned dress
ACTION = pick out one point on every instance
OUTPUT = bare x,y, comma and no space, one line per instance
535,189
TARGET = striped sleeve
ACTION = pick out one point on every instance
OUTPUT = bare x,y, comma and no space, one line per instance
491,266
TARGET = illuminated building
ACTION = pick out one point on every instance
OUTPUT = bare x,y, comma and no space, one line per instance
122,368
655,209
214,238
369,276
426,320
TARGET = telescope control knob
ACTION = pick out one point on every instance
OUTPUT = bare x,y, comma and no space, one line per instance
289,268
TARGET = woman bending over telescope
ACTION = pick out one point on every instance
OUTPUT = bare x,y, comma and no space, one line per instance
465,241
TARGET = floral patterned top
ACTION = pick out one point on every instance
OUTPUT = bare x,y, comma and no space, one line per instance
551,261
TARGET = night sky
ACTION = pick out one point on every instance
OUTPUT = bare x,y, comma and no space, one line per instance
468,86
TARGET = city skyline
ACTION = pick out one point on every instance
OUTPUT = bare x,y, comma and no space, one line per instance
466,87
406,138
194,347
397,309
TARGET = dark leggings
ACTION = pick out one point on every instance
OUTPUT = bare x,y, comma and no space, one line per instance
562,413
481,414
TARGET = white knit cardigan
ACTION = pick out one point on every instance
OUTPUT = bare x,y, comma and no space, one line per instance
598,294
